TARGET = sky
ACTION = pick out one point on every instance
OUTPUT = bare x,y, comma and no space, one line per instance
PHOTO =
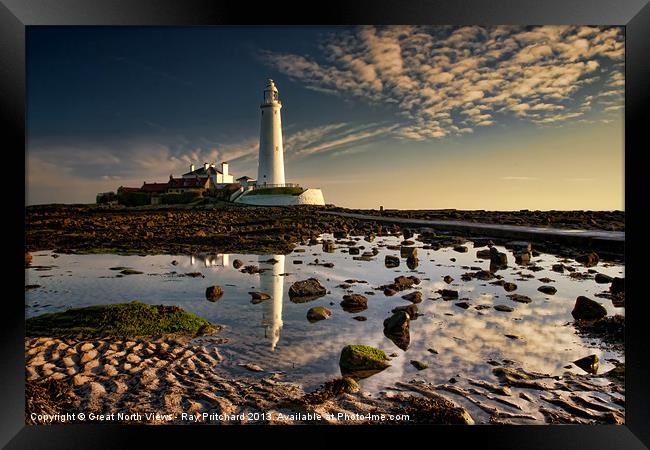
409,117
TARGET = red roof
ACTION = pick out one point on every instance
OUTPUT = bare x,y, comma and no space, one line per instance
186,183
154,187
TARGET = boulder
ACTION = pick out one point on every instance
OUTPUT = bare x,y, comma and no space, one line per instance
588,363
419,364
236,264
484,254
461,249
354,250
411,310
617,286
509,287
318,313
601,278
413,297
503,308
588,260
546,289
329,247
354,303
391,261
412,262
448,293
406,252
559,268
447,279
407,233
213,293
587,309
463,305
519,298
258,297
362,361
306,290
396,328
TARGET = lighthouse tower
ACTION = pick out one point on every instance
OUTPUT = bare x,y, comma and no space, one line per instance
271,158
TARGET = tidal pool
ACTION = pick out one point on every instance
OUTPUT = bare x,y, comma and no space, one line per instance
276,335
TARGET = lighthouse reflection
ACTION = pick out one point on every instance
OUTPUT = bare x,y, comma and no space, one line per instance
212,260
273,284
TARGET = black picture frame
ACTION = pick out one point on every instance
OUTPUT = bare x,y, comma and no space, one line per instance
16,15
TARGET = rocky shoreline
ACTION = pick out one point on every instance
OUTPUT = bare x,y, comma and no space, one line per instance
146,365
229,228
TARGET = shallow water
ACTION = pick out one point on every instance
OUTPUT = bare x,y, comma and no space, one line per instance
276,335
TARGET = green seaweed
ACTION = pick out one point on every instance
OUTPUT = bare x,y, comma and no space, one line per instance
119,320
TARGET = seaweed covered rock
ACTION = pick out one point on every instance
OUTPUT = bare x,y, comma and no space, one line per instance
119,320
354,303
362,361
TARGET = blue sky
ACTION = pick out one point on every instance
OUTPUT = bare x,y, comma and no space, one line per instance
392,116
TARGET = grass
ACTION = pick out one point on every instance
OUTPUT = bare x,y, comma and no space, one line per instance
277,191
133,319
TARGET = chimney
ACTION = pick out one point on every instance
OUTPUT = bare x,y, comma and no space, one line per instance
191,167
224,169
211,164
205,165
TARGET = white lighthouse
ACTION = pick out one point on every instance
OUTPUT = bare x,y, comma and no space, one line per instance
271,158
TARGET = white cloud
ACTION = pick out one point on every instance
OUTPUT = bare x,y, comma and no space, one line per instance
432,73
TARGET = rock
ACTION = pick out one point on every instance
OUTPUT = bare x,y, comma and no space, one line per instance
588,260
461,249
448,293
519,298
251,269
411,310
362,361
509,287
447,279
369,237
236,264
353,250
259,297
503,308
483,275
587,309
174,263
463,305
601,278
548,290
252,367
522,257
407,233
617,286
86,347
306,290
360,318
318,313
391,261
354,303
131,272
328,247
559,268
588,363
497,258
413,297
419,364
389,292
396,328
484,254
213,293
406,252
412,262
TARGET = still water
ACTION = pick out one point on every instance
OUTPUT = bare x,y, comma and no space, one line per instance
276,335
